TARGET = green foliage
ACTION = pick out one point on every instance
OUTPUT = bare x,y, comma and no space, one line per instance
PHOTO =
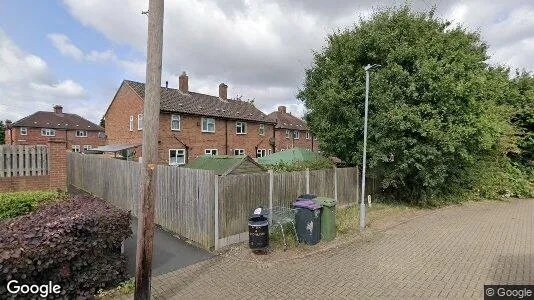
102,123
124,288
435,105
73,243
20,203
2,132
301,165
523,119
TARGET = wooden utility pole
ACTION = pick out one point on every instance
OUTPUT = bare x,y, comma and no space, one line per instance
145,228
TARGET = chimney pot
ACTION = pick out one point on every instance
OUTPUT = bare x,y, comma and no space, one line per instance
58,109
223,91
183,82
166,84
282,109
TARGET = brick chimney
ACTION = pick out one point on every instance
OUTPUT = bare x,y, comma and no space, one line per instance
223,91
282,109
8,123
58,109
183,82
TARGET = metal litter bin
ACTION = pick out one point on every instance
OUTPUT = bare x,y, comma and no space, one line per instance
258,231
308,221
328,217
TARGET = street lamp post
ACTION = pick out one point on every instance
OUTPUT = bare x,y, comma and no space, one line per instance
362,199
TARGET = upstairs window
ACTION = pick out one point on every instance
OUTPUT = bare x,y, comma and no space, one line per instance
139,122
308,135
48,132
240,127
208,125
296,134
175,122
239,151
23,131
261,129
288,134
131,123
81,133
211,151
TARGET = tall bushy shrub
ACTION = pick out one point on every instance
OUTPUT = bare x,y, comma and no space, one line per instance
73,243
435,110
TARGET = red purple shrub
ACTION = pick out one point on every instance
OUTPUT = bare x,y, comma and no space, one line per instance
73,243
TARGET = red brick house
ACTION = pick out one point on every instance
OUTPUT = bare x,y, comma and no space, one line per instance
191,124
38,128
291,132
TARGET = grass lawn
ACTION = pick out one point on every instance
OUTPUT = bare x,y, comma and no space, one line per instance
378,217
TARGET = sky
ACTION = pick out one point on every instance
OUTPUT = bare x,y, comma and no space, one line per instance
76,53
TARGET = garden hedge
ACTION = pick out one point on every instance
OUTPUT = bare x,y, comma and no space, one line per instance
73,243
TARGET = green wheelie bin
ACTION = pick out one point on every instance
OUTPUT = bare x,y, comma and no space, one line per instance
328,217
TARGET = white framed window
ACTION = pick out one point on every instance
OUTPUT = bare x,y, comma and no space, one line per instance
208,125
296,134
81,133
261,152
240,127
23,131
139,122
308,135
269,152
48,132
239,151
261,129
288,133
211,151
87,147
76,148
131,123
175,122
176,157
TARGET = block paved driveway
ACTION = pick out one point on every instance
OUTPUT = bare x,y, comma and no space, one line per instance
450,253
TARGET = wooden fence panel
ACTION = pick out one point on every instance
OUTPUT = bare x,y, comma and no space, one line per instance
185,203
348,185
287,186
322,183
239,195
17,160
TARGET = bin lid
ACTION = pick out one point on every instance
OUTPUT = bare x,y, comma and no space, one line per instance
309,204
324,201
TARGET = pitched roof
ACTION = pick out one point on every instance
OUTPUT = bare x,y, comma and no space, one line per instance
289,156
287,121
174,100
221,164
48,119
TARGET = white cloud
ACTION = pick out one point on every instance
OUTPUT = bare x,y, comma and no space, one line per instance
63,44
261,48
27,85
101,56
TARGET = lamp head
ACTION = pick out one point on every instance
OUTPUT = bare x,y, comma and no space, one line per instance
368,67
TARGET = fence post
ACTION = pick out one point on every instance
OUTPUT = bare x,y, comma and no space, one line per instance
307,181
357,184
335,183
271,186
216,233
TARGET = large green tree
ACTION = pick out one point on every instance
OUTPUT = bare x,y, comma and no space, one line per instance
435,108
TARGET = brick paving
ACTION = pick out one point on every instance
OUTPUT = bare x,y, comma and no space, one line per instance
451,253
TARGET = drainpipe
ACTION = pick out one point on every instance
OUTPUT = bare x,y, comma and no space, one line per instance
311,136
274,138
226,137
